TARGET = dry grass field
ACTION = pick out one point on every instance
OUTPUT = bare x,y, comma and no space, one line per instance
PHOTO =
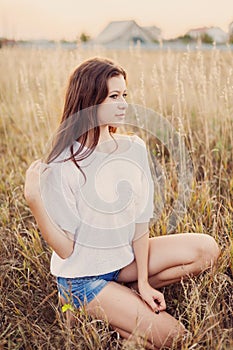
194,91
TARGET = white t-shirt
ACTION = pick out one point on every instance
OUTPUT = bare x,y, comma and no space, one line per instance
101,213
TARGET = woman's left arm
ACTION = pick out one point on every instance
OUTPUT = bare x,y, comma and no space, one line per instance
154,298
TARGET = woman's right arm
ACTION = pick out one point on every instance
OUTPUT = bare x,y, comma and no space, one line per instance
62,242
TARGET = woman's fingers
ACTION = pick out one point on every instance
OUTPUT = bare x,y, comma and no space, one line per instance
32,180
153,298
159,301
152,303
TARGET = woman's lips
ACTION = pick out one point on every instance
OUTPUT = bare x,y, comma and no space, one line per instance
122,116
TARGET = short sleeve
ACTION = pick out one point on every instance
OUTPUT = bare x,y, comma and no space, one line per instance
145,198
59,198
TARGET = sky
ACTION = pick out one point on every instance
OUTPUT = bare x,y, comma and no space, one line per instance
67,19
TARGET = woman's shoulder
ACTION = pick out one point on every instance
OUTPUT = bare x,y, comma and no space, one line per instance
132,136
139,140
61,169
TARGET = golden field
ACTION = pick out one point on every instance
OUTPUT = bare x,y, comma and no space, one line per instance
194,91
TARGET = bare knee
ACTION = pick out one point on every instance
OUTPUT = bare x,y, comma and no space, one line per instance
175,336
180,337
207,252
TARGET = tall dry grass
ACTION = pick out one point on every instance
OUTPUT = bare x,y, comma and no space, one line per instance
194,91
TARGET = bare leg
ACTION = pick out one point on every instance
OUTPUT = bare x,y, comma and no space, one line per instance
174,257
170,259
70,322
141,341
133,318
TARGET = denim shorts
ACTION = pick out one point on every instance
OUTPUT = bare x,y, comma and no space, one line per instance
81,290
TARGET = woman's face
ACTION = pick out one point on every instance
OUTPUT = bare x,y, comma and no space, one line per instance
112,110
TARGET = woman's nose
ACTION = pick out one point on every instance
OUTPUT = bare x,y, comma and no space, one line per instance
122,103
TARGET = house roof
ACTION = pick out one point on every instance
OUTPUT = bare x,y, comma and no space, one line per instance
116,29
153,31
198,30
205,29
216,33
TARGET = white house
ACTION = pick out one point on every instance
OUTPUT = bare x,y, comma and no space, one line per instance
124,33
154,32
215,33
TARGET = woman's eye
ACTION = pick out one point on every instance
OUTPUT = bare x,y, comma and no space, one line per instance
114,96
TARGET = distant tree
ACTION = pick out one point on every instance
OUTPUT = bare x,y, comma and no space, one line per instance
231,39
84,37
207,39
186,38
63,41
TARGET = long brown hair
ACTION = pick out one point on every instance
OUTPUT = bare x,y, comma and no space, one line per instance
87,88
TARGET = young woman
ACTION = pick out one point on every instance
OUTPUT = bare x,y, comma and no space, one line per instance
93,203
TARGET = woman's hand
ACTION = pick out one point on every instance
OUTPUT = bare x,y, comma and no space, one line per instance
153,297
32,181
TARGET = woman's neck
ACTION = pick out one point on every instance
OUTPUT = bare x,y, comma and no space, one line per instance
104,134
104,137
106,143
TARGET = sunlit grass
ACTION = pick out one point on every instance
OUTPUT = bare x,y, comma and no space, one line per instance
194,91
